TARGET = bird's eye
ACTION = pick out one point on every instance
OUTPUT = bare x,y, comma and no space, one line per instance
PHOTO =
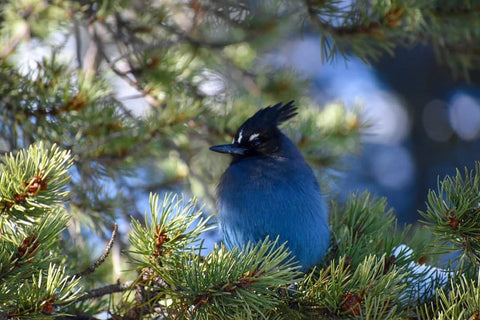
256,143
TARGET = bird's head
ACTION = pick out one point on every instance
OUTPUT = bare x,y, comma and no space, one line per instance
259,135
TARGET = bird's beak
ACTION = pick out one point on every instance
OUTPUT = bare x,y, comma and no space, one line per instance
229,148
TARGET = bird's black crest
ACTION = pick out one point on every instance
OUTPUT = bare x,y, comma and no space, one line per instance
276,114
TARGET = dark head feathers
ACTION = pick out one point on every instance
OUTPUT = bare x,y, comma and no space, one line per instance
259,135
274,115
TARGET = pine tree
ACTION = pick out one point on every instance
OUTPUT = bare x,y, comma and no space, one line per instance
76,160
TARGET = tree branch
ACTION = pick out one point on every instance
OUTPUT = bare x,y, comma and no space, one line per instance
100,292
102,258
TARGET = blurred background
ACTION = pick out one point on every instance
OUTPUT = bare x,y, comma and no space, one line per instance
423,122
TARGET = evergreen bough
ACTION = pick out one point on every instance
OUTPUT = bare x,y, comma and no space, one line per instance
362,277
185,61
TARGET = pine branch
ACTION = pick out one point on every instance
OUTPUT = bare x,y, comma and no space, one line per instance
452,215
460,300
103,291
102,258
167,53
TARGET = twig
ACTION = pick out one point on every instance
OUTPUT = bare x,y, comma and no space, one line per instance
102,258
100,292
145,47
202,43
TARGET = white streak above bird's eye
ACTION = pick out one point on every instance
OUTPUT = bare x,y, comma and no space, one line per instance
253,136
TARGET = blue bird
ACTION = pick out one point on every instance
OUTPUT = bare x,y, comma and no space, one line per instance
270,190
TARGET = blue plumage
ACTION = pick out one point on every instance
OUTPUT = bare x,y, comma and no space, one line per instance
269,189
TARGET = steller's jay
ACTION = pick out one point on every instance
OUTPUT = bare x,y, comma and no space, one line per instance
270,190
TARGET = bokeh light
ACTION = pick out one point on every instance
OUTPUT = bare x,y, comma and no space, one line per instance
464,116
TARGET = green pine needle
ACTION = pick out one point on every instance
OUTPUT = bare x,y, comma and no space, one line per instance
453,213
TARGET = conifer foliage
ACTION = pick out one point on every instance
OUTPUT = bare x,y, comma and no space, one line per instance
32,268
105,102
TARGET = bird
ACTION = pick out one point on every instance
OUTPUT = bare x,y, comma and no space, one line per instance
269,190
